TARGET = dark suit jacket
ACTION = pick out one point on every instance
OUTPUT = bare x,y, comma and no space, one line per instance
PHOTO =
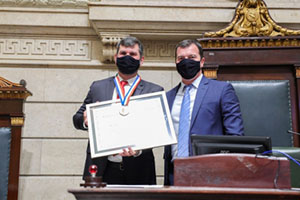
138,170
216,111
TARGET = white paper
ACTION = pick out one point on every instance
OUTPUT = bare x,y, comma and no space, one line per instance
147,125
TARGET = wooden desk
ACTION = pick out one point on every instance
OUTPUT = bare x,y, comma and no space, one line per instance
183,193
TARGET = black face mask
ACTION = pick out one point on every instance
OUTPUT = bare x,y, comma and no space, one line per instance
127,64
188,68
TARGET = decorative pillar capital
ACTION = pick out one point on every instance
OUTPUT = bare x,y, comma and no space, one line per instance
109,42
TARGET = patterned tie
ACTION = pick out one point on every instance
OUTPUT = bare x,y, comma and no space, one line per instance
184,124
123,83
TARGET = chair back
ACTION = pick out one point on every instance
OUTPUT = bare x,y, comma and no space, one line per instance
5,138
266,109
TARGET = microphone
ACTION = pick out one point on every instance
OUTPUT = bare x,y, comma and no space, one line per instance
293,132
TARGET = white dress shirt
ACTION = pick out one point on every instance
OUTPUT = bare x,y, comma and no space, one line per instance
175,112
118,158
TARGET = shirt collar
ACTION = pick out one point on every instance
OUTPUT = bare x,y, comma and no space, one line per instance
195,83
130,81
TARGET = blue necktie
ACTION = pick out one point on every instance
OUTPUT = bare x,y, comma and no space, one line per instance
184,124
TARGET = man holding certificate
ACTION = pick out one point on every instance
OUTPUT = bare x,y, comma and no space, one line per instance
129,167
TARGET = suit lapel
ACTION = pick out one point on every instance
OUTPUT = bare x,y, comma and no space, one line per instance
201,92
139,89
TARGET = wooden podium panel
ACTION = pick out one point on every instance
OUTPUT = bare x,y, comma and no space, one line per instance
184,193
233,170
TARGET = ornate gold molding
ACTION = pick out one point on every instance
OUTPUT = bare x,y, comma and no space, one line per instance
252,18
17,121
210,72
109,42
7,84
14,95
10,90
248,42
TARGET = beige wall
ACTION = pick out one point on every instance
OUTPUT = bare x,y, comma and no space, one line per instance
57,48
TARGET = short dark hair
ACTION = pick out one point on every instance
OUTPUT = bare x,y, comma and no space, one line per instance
187,43
130,42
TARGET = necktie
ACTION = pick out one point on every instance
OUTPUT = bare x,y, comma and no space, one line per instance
184,124
123,83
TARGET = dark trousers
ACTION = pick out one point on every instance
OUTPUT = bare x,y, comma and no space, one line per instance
114,173
171,178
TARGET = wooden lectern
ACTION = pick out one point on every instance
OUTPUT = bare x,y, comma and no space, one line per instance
233,170
12,96
217,176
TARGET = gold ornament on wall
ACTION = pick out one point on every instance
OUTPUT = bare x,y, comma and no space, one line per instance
252,18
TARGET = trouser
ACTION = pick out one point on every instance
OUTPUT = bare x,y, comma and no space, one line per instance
114,173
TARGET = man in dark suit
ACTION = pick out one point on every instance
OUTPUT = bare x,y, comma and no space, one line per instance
129,167
198,105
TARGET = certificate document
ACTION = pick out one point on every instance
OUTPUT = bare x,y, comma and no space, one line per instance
145,123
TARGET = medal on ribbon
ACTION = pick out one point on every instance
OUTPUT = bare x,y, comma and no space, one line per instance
124,98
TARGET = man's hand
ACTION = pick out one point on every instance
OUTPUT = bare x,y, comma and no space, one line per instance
85,118
130,152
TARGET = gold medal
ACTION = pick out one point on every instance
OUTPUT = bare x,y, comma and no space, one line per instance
124,110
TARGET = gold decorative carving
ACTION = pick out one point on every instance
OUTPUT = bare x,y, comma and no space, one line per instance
298,72
252,18
10,90
110,42
14,95
247,42
7,84
17,121
210,73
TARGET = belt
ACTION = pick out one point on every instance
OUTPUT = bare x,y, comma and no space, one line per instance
118,165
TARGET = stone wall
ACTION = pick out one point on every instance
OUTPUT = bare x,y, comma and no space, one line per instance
59,48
